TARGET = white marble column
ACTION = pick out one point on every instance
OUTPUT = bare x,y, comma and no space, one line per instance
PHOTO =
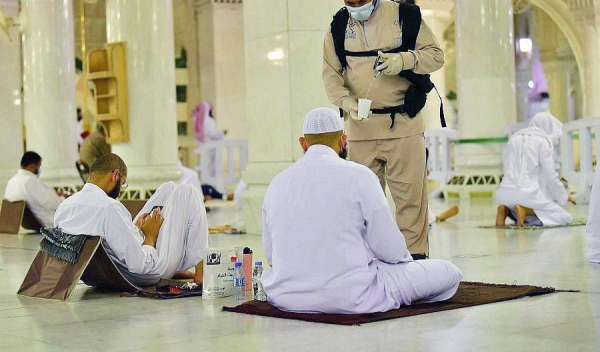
558,73
221,63
284,60
591,43
587,18
49,88
524,28
438,16
11,120
147,28
522,79
486,78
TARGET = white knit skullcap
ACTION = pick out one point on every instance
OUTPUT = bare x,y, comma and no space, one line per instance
322,120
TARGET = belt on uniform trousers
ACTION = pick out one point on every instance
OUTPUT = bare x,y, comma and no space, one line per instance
400,109
392,111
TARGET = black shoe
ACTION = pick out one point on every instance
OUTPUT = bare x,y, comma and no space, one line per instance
420,256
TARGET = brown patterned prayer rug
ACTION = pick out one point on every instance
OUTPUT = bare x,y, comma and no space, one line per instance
469,294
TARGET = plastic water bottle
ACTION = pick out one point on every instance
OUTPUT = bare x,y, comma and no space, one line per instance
239,283
259,293
256,274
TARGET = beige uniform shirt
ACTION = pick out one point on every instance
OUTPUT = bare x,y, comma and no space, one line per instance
381,32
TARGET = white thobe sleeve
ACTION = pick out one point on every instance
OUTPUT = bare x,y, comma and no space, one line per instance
382,236
120,235
555,188
42,195
266,238
592,228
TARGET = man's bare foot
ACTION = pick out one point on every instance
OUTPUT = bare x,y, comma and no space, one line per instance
522,213
183,275
449,213
501,215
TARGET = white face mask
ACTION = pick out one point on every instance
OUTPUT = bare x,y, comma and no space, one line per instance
362,13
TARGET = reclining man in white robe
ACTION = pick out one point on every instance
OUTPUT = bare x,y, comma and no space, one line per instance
592,228
531,192
331,239
158,243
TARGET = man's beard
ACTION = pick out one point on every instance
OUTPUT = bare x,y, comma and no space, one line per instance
343,153
114,194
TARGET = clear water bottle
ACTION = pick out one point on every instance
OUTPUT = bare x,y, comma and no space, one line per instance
239,283
259,293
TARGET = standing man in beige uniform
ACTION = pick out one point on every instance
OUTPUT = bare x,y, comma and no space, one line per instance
393,147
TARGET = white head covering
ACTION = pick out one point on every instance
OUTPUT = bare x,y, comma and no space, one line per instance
547,123
322,120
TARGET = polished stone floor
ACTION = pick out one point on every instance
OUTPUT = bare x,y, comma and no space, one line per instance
557,322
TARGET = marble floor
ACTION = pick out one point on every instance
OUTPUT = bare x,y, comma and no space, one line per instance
557,322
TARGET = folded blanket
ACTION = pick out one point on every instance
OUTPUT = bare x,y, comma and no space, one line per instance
62,245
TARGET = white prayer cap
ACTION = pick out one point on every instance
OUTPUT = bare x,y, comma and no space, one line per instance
322,120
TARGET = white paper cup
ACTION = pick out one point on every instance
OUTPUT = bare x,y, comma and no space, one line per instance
364,107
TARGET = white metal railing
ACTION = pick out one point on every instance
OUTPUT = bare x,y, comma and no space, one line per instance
213,170
583,131
440,143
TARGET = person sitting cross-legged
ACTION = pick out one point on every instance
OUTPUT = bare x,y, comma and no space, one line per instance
169,235
331,240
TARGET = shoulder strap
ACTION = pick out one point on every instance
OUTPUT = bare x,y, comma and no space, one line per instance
338,32
409,15
410,20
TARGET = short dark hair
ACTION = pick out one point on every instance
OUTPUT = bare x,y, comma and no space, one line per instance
30,158
107,163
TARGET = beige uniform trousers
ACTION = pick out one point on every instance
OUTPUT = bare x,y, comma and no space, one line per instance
400,162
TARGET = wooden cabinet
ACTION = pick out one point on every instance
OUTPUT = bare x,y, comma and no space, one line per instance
107,70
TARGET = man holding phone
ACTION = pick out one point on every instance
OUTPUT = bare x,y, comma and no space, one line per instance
159,242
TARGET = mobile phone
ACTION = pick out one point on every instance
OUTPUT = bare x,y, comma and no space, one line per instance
159,207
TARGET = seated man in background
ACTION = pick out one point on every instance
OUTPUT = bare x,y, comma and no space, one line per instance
94,146
531,192
42,200
330,237
158,243
190,177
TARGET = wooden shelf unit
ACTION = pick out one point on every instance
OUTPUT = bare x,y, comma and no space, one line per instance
107,70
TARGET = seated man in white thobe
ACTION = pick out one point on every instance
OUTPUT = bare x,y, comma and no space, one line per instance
592,228
42,200
531,192
158,243
330,237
